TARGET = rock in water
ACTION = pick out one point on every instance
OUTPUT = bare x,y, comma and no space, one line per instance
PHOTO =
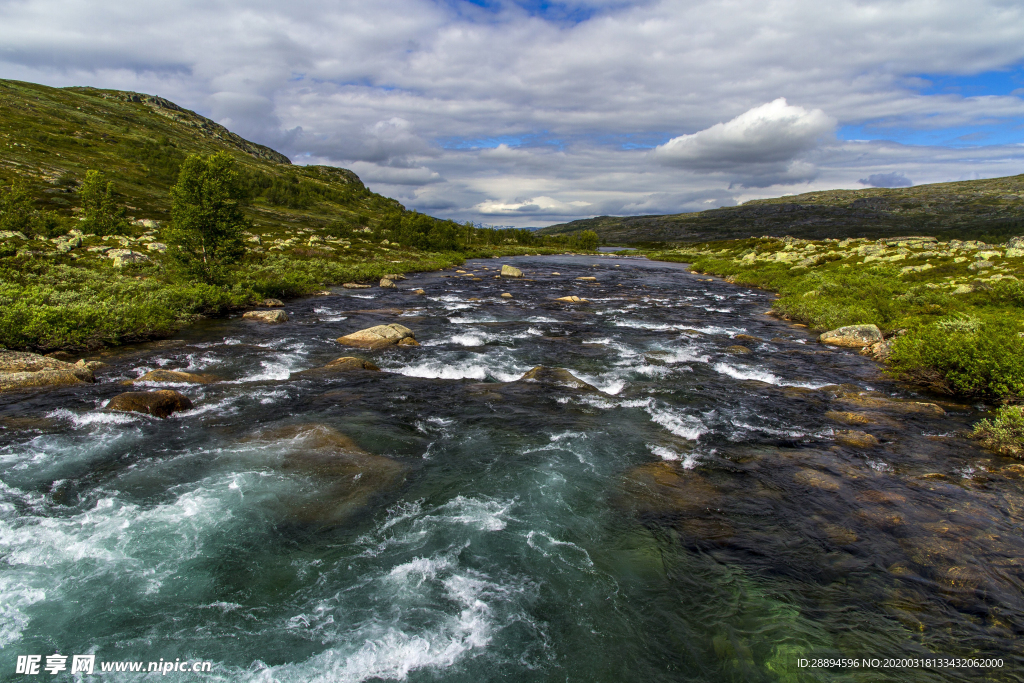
510,271
506,295
156,403
378,337
355,285
345,477
175,376
266,316
272,303
556,376
855,438
853,336
21,370
385,282
737,349
349,363
571,299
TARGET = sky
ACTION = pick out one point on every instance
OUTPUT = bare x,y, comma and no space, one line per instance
529,113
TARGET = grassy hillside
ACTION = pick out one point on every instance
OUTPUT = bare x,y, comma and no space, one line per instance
988,210
62,287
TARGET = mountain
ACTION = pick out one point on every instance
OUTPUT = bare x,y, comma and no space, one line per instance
990,210
49,138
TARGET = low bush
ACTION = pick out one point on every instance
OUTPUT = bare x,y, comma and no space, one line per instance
1004,433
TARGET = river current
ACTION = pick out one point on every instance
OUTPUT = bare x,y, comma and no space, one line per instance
709,513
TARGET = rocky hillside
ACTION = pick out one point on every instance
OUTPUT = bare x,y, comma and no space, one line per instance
990,210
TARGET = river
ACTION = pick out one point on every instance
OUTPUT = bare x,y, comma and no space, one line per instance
704,515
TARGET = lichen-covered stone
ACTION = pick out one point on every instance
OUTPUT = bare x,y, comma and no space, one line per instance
377,337
852,336
510,271
272,317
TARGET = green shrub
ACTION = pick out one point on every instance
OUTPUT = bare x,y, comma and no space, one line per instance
975,355
1005,433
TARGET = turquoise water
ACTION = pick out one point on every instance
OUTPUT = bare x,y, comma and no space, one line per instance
699,518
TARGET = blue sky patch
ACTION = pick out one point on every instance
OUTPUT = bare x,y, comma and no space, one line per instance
1007,82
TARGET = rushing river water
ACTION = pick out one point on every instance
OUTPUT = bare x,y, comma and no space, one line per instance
702,517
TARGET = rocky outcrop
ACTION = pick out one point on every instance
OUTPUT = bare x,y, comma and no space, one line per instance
852,336
379,337
272,317
557,377
176,376
22,370
162,403
510,271
124,257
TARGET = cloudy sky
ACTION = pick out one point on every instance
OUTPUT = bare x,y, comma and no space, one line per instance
528,113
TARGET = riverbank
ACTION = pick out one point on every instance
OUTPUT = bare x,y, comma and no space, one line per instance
952,312
79,300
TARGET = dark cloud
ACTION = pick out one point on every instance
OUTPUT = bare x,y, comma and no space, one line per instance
886,180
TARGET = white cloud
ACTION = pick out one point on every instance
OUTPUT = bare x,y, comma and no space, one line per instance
760,146
458,109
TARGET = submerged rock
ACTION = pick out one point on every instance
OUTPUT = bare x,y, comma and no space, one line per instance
347,364
510,271
160,403
345,477
557,376
852,336
175,376
737,349
891,405
848,418
271,317
856,439
379,337
22,370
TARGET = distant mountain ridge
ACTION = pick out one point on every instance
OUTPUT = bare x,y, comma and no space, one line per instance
967,209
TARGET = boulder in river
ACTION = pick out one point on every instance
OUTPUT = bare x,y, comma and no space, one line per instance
387,283
378,337
506,295
587,279
355,285
22,370
175,376
737,349
266,316
348,363
510,271
558,377
571,299
160,403
417,291
853,336
272,303
345,477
